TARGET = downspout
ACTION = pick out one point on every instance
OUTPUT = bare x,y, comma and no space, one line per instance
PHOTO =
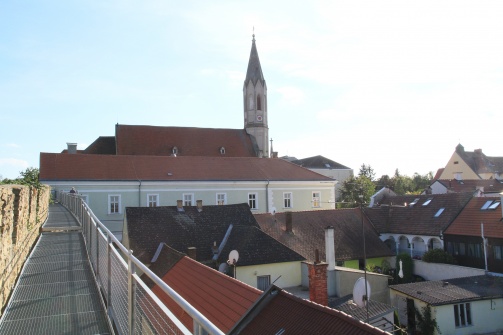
267,197
139,193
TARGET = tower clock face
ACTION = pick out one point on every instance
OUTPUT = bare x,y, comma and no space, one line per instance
259,118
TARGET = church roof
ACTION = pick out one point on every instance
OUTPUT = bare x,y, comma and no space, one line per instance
254,71
189,141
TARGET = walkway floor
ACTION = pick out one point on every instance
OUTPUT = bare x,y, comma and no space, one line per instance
56,292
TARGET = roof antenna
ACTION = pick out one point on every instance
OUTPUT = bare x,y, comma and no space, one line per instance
253,34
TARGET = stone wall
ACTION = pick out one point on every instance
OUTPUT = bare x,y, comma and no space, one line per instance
22,211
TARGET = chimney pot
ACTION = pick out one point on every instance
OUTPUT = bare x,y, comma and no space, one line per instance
192,252
72,148
179,205
288,222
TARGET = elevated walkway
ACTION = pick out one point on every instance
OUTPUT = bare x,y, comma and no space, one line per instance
56,292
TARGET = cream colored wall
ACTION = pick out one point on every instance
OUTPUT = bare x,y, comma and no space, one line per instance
286,274
451,168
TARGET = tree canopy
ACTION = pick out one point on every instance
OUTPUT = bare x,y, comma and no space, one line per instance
28,177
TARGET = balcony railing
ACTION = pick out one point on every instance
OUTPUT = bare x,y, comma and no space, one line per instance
131,305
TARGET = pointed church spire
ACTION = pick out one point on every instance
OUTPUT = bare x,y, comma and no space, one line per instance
254,72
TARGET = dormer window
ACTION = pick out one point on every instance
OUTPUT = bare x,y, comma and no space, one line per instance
174,151
222,151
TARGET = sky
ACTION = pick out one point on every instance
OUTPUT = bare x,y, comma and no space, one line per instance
390,84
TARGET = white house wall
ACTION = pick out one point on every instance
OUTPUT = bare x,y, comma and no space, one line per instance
486,318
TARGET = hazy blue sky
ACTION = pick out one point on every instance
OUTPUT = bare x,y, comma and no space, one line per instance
393,84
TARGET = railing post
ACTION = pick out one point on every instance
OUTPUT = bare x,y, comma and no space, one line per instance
131,292
97,269
109,277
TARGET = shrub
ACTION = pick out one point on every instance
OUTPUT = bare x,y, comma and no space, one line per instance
438,256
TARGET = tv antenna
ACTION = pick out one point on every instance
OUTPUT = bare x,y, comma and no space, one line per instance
233,259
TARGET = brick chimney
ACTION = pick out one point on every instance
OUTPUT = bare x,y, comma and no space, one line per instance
288,222
199,204
72,148
179,206
330,247
318,291
192,252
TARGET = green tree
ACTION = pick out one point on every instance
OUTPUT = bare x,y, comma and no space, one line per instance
351,190
367,171
437,256
28,177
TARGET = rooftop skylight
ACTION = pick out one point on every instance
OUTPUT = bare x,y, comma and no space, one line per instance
414,202
427,202
495,205
486,205
439,212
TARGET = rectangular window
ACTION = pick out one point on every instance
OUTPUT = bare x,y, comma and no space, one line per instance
498,251
316,199
252,200
187,199
462,315
114,204
221,199
263,282
474,250
287,200
153,200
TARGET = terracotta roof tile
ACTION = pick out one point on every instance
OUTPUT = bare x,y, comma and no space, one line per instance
309,233
285,313
469,220
73,167
220,298
190,141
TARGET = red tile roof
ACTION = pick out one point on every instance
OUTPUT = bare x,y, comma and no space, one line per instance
469,220
220,298
190,141
287,314
71,167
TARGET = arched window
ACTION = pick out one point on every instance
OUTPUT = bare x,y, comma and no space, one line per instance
259,103
250,101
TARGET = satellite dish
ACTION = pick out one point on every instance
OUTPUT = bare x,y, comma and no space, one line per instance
233,257
400,273
360,297
223,268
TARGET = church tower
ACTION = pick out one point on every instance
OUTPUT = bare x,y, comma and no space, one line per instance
255,103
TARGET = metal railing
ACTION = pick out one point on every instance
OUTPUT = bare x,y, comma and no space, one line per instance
131,305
